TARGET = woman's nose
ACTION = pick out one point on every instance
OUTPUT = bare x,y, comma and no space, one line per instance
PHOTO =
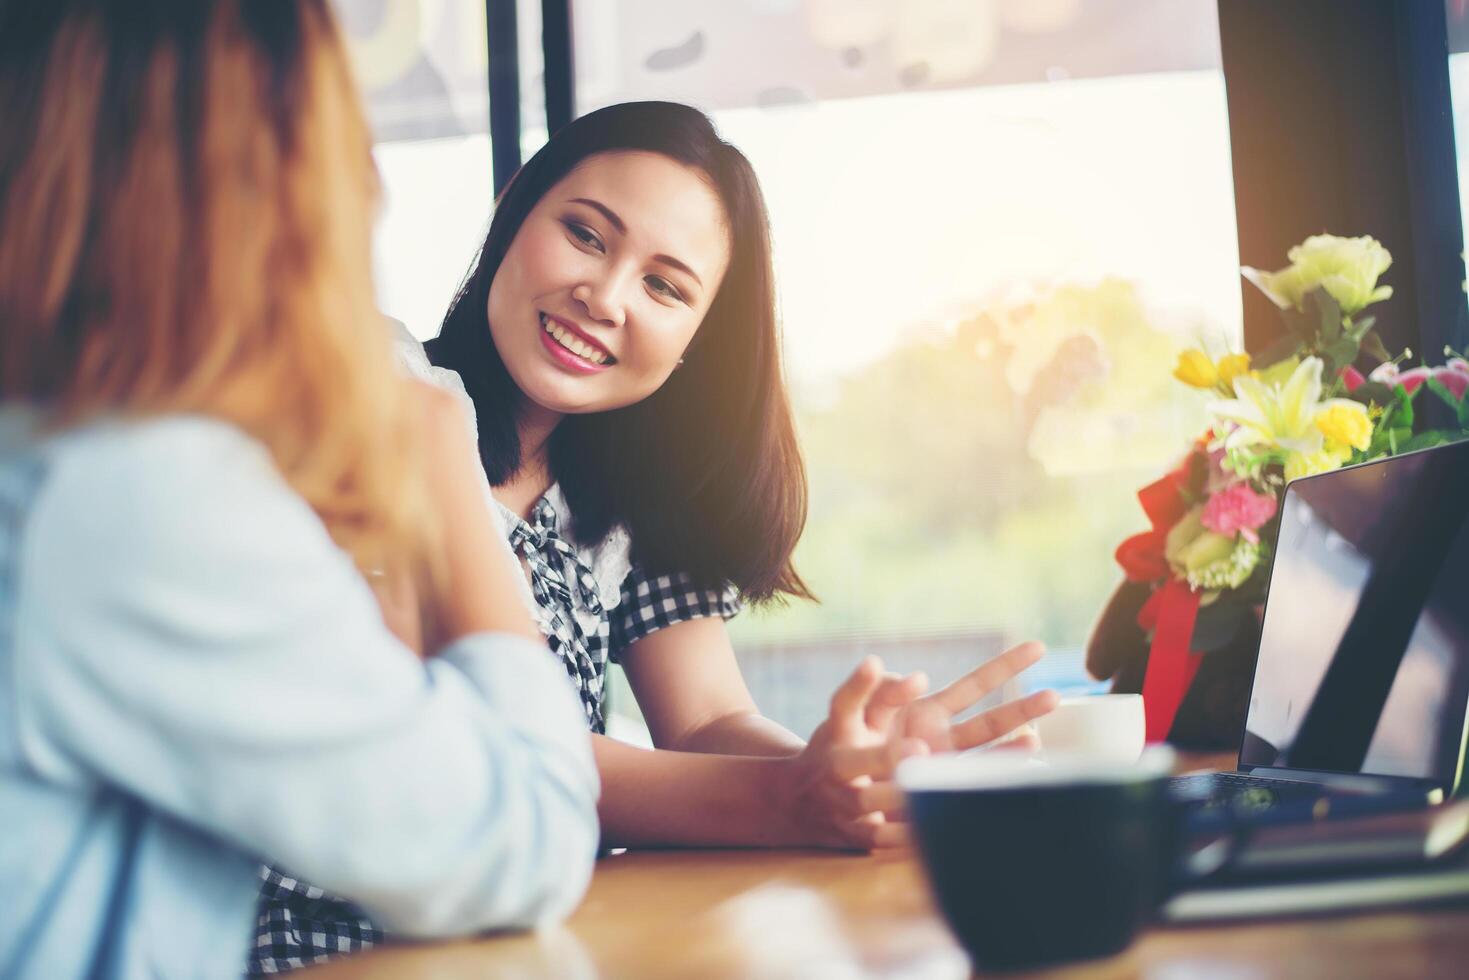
602,300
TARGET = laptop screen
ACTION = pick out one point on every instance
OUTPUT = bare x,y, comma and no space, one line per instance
1364,651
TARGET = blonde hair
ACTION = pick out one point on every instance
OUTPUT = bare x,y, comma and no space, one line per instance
186,198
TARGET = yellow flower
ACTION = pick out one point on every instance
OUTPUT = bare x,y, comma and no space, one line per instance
1329,457
1195,368
1232,366
1347,268
1345,423
1280,415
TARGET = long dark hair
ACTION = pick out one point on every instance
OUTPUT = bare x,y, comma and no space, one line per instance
705,473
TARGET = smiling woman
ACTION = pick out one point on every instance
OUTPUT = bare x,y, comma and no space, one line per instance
697,460
617,341
582,292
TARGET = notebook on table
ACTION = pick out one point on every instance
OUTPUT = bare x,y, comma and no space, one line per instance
1408,858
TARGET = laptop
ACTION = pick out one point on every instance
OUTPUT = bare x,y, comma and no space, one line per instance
1361,687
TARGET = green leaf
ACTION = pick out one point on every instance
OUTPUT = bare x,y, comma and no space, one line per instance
1396,425
1300,326
1389,416
1323,309
1278,351
1372,344
1338,355
1374,393
1424,440
1385,442
1405,405
1462,411
1360,327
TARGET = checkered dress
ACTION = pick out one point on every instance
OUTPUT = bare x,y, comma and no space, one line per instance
299,924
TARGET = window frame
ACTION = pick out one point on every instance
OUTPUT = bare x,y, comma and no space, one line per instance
1367,141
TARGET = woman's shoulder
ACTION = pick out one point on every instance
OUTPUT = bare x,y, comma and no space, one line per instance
414,360
168,485
161,450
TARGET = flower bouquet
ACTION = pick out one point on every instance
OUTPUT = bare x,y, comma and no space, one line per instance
1184,626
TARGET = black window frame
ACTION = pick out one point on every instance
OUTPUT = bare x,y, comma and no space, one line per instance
1340,120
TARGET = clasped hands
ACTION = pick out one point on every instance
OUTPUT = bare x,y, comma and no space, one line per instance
840,791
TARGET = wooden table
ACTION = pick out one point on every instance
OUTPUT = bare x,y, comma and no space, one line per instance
803,914
795,914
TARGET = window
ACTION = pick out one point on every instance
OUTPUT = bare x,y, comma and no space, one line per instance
423,70
995,226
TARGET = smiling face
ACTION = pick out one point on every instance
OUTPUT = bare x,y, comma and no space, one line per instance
607,280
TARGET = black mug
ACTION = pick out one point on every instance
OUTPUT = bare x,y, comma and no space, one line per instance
1041,862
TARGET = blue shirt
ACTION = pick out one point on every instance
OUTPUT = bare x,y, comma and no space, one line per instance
195,678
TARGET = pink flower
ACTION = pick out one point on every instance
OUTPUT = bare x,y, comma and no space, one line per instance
1452,378
1352,378
1238,509
1385,373
1411,379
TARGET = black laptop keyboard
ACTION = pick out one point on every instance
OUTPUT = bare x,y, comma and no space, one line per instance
1238,791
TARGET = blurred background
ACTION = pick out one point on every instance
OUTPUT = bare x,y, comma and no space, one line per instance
996,223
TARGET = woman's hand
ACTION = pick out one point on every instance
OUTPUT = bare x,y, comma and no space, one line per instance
840,791
930,718
834,793
397,599
480,591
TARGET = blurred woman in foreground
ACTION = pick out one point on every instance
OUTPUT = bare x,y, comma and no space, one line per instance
205,455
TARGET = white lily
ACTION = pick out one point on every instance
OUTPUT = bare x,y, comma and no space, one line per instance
1282,415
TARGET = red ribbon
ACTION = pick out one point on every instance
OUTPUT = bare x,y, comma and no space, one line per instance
1162,499
1173,608
1171,665
1141,556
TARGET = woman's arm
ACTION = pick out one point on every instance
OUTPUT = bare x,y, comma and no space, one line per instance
728,776
657,797
830,794
693,696
187,631
694,699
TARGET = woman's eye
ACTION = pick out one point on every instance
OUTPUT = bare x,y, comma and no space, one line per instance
584,235
663,287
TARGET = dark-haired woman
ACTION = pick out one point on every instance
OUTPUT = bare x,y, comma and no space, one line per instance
617,339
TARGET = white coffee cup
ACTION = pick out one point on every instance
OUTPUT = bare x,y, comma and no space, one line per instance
1105,727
